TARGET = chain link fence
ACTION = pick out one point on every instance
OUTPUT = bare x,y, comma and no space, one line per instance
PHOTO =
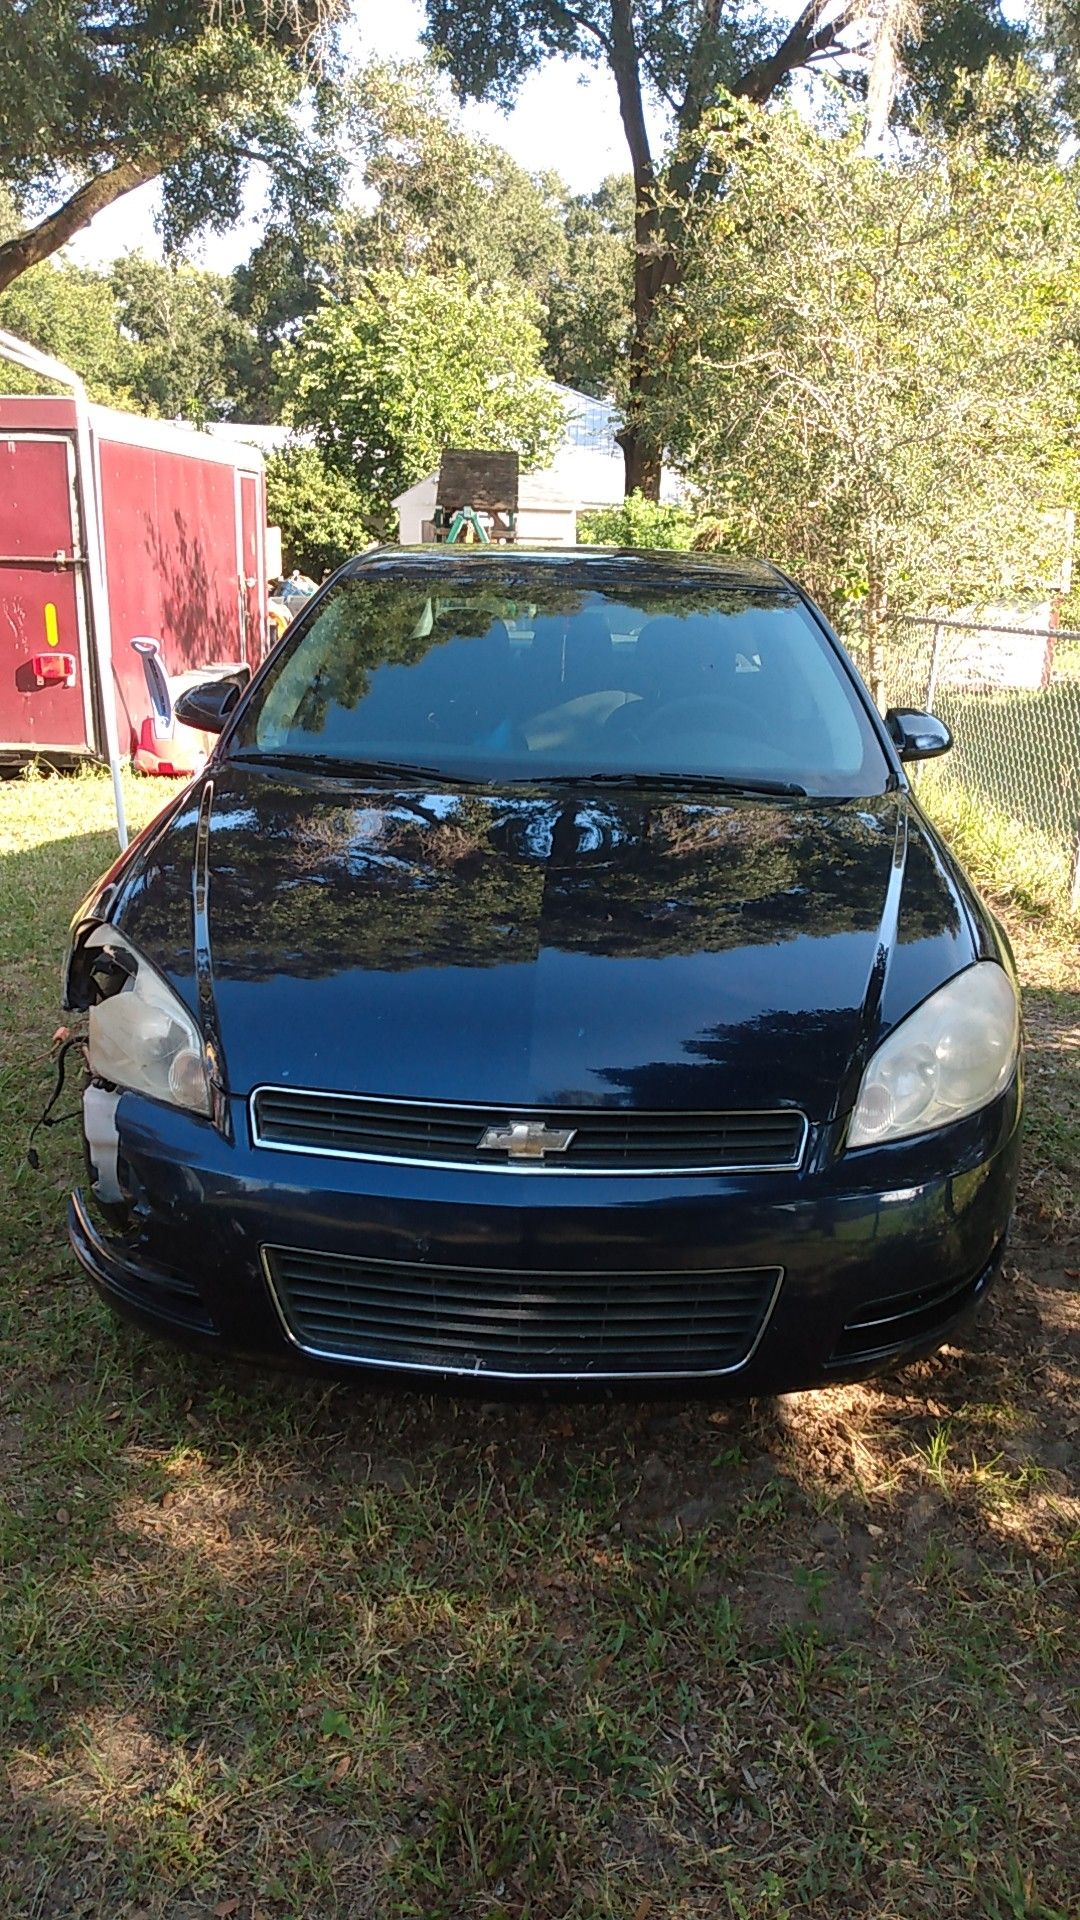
1011,697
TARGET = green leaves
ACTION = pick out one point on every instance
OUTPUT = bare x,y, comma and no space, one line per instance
116,93
320,510
415,364
333,1724
638,522
70,312
871,369
187,348
164,340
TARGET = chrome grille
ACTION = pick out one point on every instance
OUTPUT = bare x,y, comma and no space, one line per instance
604,1139
538,1325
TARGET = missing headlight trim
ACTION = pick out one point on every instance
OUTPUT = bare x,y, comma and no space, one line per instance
95,972
110,970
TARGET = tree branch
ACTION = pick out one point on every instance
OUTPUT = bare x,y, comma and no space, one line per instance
810,37
584,26
37,243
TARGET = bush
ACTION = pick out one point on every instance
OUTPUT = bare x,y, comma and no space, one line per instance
320,512
637,522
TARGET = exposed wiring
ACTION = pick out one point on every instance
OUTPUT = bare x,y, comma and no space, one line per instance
48,1118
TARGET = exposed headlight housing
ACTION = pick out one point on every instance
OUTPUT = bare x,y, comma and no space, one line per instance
141,1035
950,1057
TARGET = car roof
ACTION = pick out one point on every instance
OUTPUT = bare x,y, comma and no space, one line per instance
609,565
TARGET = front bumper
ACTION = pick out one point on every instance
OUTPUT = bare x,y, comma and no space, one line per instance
881,1254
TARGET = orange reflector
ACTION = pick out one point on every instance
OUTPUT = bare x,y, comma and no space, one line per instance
53,669
52,630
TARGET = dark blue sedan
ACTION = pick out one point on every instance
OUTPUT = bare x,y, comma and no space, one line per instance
552,978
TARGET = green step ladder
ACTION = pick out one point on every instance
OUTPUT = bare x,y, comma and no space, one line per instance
466,517
474,481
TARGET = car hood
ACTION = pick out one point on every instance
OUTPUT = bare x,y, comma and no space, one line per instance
622,947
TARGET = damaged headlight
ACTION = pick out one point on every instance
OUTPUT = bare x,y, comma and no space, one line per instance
141,1035
953,1055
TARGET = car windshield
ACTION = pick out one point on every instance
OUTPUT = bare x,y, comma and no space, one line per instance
530,678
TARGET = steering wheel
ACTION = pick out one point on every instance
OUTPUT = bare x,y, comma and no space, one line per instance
709,714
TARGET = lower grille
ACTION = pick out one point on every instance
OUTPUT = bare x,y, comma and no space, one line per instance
887,1326
600,1139
520,1325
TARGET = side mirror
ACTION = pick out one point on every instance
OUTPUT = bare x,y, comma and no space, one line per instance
917,736
207,706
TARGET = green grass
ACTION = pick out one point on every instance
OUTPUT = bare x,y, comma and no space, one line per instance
1016,863
272,1649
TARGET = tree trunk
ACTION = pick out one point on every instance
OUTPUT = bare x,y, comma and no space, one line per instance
37,243
654,269
641,455
642,463
656,265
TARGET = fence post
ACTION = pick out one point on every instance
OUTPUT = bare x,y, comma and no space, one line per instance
931,683
1074,877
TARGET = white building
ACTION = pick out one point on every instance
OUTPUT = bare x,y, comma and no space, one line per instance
587,472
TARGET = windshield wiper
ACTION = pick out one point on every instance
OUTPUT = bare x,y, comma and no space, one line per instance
697,782
349,768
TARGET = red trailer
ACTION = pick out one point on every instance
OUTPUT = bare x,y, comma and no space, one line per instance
177,522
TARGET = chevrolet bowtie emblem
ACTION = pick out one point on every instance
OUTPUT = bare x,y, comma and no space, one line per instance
527,1139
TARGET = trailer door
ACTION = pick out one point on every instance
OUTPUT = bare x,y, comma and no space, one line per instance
45,693
252,568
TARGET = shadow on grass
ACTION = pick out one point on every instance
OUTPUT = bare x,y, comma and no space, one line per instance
405,1652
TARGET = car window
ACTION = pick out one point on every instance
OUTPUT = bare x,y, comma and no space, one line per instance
549,679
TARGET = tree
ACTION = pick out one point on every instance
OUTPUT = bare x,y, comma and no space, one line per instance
283,281
956,43
439,201
874,369
445,200
320,510
69,312
685,55
187,350
587,305
414,364
98,97
160,338
1060,20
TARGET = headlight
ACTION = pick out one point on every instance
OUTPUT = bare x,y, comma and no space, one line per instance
950,1057
141,1035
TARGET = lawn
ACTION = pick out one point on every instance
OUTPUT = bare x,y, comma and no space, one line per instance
276,1650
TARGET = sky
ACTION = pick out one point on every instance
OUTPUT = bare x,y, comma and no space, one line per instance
566,117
